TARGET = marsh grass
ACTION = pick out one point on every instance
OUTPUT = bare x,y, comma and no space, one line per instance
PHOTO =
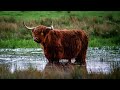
95,41
103,28
57,72
18,43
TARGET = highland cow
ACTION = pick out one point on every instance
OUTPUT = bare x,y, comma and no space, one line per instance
61,44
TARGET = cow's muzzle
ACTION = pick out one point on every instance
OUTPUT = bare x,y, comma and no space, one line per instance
36,40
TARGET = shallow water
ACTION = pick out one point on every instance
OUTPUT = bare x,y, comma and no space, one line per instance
98,59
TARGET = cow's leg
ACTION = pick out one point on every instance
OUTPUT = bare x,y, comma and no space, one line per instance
81,58
50,56
69,60
50,60
53,60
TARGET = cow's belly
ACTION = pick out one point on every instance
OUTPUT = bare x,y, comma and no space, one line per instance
66,52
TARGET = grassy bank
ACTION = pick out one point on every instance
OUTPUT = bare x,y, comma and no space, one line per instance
100,42
102,27
57,72
18,43
23,43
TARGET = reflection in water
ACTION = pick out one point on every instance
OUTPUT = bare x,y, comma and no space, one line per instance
22,65
98,59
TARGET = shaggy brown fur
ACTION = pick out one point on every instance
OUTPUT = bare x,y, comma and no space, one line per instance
62,44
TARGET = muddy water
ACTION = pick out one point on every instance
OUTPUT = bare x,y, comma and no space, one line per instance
98,59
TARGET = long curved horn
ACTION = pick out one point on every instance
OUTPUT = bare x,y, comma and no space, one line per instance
28,27
51,27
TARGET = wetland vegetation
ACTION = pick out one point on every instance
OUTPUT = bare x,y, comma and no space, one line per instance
102,27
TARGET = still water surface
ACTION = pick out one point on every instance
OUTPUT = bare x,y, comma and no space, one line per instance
98,59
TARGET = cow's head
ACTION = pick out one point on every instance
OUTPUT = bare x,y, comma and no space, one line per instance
39,32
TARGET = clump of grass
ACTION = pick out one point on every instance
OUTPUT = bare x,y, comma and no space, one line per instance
7,30
24,34
11,27
96,41
5,72
115,74
79,72
106,30
57,72
18,74
27,74
18,43
108,17
7,19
